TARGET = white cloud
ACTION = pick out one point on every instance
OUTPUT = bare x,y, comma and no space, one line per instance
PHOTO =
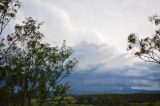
105,57
108,21
114,19
57,24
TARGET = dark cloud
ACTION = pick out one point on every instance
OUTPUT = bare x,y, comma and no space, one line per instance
95,75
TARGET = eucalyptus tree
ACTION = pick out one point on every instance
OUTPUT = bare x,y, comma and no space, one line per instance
8,10
148,48
31,69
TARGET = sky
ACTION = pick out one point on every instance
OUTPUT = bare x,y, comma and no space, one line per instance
97,30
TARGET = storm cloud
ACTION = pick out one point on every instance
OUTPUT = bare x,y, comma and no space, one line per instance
97,31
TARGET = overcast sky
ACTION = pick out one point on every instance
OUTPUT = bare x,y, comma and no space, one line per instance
97,30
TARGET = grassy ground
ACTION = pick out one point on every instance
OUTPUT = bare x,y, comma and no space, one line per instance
81,105
144,104
132,104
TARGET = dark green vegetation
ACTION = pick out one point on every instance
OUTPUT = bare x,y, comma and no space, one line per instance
119,99
30,70
104,100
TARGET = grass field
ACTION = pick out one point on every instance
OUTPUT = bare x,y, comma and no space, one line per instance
131,104
144,104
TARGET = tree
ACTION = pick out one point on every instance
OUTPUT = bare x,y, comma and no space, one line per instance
30,69
8,10
147,49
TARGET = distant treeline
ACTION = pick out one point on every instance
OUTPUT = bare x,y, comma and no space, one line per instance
116,99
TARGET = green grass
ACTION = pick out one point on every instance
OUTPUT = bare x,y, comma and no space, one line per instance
139,104
144,104
132,104
80,105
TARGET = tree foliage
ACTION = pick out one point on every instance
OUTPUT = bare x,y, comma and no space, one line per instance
148,48
8,10
30,69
